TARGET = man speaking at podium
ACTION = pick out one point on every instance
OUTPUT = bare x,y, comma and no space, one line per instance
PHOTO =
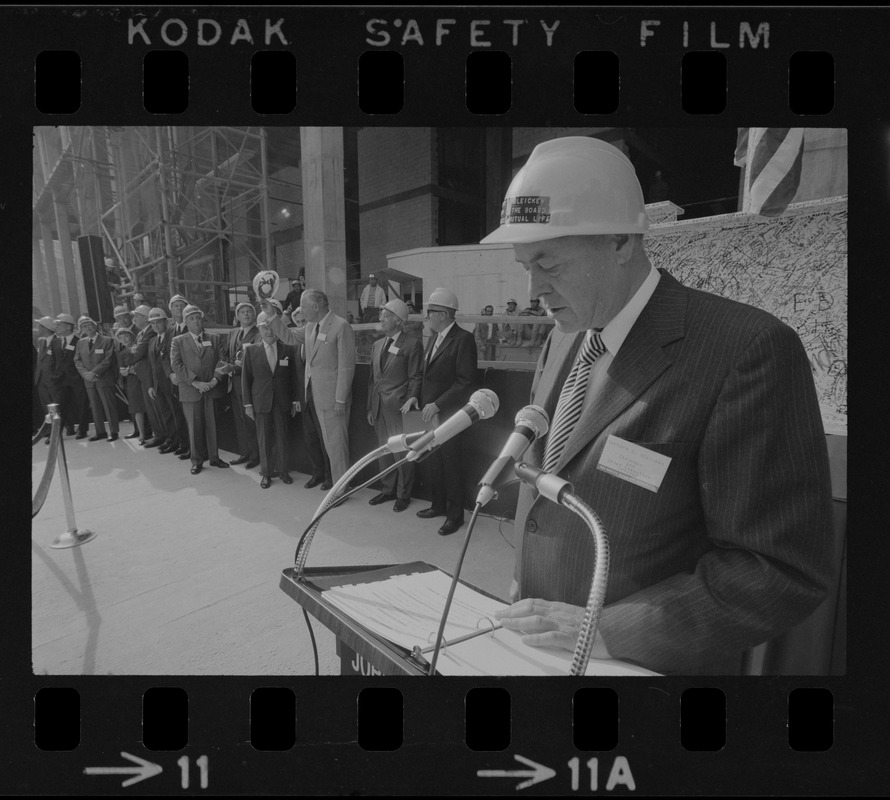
688,422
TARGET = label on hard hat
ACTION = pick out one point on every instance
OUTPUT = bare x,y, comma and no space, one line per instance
525,208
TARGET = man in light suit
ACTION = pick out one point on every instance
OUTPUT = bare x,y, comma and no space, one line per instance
697,437
270,389
449,372
94,359
330,366
194,357
396,370
245,428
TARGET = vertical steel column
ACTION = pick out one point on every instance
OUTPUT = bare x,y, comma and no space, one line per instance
165,218
267,230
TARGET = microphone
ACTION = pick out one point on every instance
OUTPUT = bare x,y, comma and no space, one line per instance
531,423
483,404
402,441
551,486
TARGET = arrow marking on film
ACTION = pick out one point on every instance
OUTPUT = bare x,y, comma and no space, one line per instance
144,769
537,774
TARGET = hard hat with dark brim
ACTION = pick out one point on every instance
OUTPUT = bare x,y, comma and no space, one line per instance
571,186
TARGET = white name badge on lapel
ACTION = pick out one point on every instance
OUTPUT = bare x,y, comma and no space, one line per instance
393,350
322,337
98,351
206,344
69,346
282,362
633,463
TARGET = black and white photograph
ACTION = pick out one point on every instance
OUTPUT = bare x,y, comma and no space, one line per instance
447,400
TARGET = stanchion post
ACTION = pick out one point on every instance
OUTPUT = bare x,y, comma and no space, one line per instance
72,537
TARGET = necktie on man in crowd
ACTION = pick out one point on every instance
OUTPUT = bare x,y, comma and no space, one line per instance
571,400
92,342
270,357
384,353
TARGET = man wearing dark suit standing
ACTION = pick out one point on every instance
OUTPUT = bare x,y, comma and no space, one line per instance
43,369
270,391
245,428
141,367
687,421
449,373
396,370
94,359
330,367
195,357
70,391
162,389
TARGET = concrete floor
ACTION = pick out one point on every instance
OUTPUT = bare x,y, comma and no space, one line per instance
183,576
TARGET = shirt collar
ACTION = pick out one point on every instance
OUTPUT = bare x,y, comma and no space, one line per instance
444,333
324,319
614,334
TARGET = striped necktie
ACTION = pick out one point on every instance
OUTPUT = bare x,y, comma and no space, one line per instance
571,400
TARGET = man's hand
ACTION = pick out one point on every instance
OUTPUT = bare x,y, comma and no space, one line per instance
201,386
548,624
249,411
266,306
90,376
174,378
410,403
370,418
294,408
339,408
429,411
152,393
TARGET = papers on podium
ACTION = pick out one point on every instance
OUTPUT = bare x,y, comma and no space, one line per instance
406,610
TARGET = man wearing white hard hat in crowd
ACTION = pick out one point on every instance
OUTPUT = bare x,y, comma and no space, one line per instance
449,372
395,374
372,300
330,366
270,390
124,318
688,422
247,332
43,368
94,359
194,357
162,389
177,305
70,391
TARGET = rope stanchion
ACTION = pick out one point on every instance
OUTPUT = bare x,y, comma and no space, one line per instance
42,433
55,437
72,537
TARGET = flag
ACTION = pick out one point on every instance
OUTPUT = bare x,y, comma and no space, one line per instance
773,163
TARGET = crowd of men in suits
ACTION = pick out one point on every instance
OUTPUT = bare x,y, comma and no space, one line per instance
174,375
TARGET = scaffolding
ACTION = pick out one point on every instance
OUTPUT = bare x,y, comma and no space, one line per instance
180,210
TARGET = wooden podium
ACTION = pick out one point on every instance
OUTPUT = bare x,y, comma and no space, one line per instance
361,652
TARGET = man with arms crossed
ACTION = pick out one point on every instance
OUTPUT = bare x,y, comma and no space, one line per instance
688,422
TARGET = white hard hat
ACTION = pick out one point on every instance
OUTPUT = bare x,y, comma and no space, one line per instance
443,297
119,311
47,322
156,314
143,310
573,186
177,298
188,310
398,308
262,319
84,320
66,318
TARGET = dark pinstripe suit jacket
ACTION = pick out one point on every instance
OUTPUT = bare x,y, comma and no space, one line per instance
734,548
